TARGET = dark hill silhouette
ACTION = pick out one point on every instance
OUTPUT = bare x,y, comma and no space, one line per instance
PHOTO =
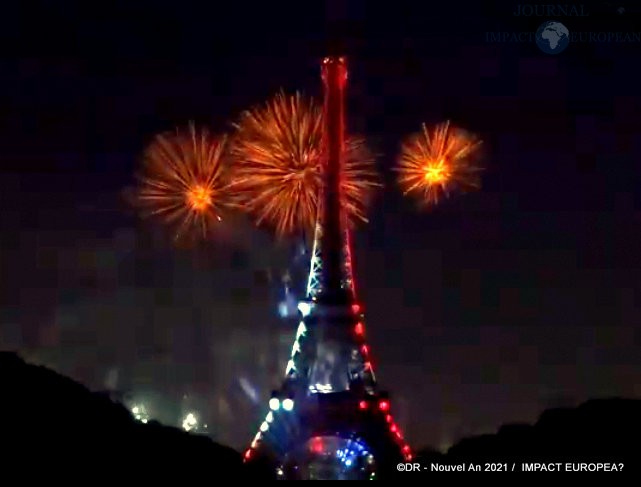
46,418
600,430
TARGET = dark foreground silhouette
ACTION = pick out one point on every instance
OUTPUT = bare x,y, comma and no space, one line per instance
47,419
600,431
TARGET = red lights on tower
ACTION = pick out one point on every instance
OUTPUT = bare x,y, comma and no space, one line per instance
383,405
317,445
364,350
356,308
359,329
407,452
363,405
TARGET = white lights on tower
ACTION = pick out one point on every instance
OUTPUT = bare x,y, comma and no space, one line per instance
288,404
321,388
256,439
302,329
290,367
305,308
274,403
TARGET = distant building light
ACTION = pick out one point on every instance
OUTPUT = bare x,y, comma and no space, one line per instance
190,422
140,413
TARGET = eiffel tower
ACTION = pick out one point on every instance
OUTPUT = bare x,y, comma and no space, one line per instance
329,420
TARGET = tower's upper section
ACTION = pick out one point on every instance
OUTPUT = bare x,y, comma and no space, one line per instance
332,245
334,65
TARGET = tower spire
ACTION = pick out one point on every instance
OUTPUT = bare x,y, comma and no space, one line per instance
334,75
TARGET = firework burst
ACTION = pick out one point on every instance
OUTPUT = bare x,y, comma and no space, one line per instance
182,180
277,165
434,163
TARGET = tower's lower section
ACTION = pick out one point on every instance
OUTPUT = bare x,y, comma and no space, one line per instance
335,436
328,420
330,458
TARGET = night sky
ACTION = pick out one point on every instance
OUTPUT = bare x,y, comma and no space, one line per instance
485,310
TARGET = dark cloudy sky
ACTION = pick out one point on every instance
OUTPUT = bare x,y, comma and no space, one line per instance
485,310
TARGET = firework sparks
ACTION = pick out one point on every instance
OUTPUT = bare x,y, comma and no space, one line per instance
183,180
433,163
278,157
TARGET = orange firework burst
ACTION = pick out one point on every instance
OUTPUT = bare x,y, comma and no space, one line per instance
278,157
434,163
183,180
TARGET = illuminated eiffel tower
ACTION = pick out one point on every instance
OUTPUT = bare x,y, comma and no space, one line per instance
328,420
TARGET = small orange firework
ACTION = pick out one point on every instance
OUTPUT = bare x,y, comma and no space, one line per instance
277,165
434,163
183,180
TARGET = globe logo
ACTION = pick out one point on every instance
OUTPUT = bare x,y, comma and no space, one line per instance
552,37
